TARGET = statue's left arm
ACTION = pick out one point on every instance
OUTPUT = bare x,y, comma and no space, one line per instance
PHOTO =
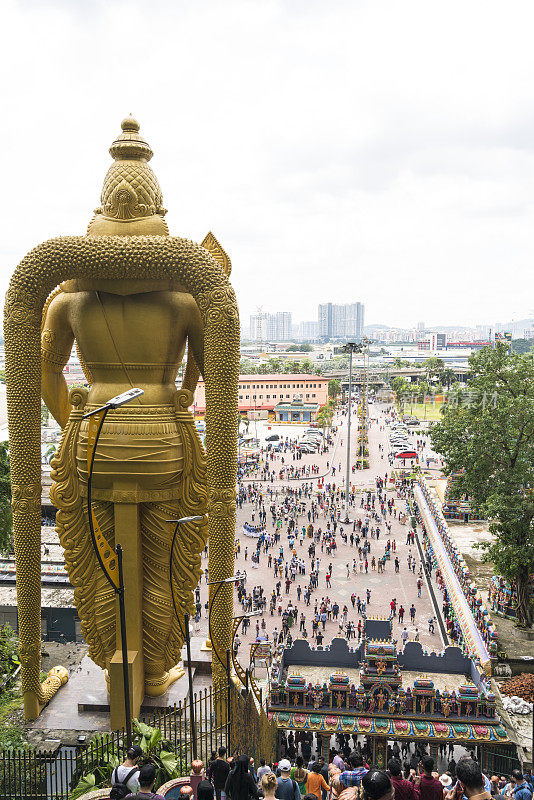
57,339
195,344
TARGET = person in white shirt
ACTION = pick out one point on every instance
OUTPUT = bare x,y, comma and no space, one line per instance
128,770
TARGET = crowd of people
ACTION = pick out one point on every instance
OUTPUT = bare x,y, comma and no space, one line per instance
348,775
294,549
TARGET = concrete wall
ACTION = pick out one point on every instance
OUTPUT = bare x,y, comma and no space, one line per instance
451,660
338,655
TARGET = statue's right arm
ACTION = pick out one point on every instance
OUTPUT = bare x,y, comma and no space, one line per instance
57,339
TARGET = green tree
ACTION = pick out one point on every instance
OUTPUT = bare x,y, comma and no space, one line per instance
6,519
307,367
334,388
247,367
338,362
50,451
402,390
448,376
45,415
433,368
520,346
305,347
325,416
291,367
422,391
487,435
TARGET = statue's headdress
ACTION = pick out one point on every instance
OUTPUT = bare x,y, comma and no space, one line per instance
131,201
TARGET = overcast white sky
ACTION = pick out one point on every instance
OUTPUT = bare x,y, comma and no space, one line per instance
340,150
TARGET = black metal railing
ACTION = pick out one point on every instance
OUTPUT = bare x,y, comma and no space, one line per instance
32,774
223,717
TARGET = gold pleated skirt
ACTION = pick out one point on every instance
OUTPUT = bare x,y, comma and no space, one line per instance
139,456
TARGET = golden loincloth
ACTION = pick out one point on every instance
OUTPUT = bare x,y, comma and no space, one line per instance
157,451
141,445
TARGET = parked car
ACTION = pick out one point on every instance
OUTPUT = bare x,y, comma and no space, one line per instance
406,454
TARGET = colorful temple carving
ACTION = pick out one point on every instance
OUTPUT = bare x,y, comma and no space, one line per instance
380,690
503,597
456,504
375,691
475,630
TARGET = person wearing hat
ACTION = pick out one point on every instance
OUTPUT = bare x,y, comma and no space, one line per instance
445,780
286,787
127,774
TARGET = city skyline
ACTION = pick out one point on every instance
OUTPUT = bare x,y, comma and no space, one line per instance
305,329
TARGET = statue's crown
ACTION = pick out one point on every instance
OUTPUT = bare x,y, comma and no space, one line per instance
131,200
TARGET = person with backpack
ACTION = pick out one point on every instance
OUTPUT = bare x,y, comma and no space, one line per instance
147,779
124,778
300,774
286,788
218,772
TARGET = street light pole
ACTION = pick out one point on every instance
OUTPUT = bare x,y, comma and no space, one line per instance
185,630
237,622
226,664
350,348
112,568
219,585
365,342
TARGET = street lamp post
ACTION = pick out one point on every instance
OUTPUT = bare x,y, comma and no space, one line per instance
219,585
365,342
226,664
350,348
111,567
237,622
185,630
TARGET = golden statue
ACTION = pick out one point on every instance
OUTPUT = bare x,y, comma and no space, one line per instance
131,298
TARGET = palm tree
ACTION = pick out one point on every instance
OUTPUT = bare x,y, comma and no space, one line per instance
448,376
325,416
334,388
50,451
433,367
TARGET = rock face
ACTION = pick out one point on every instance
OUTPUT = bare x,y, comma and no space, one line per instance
521,687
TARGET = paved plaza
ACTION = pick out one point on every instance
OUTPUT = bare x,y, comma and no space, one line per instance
344,583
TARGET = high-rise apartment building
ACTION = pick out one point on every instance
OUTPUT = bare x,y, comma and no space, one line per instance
283,326
341,321
308,331
272,327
